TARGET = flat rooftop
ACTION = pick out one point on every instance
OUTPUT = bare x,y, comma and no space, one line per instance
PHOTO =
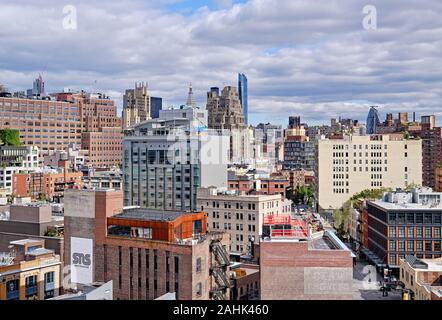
149,215
25,241
405,206
322,243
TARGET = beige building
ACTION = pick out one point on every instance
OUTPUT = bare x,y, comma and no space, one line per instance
347,166
29,271
241,216
422,277
136,105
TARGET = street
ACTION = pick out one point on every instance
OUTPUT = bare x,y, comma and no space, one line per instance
367,283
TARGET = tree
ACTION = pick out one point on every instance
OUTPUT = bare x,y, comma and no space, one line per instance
41,196
302,194
341,216
9,137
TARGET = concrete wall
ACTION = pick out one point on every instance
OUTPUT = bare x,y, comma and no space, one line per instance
25,213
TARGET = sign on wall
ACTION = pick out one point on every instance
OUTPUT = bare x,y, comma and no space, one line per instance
81,260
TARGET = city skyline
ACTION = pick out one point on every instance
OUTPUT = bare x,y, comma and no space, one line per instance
324,66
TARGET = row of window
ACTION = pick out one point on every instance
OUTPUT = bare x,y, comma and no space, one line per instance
430,232
400,245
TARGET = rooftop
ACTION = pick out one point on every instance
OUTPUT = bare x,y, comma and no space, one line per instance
431,265
25,242
148,214
404,206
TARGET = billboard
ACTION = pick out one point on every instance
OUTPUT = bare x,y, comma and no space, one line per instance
82,256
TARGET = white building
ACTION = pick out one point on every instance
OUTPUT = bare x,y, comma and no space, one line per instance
167,159
347,166
21,159
75,156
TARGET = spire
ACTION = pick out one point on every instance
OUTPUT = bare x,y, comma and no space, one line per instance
190,98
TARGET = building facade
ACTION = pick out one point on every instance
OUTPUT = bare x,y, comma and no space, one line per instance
319,268
372,120
167,159
405,223
146,253
243,96
29,272
422,277
241,216
156,104
136,105
347,166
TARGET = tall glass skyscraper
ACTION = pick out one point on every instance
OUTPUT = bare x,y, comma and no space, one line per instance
242,88
372,120
156,104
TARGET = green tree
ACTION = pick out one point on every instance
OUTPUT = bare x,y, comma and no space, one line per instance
9,137
41,196
341,216
302,194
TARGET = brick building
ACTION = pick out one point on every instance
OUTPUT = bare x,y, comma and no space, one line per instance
147,253
246,282
105,147
438,184
54,124
422,277
241,216
29,271
49,182
405,223
319,267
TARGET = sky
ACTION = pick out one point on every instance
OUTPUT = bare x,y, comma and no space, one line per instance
316,59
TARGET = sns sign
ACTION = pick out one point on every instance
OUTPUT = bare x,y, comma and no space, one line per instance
81,260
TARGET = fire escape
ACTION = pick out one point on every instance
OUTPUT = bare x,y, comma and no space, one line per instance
219,269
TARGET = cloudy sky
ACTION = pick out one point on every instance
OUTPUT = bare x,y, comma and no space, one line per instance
301,57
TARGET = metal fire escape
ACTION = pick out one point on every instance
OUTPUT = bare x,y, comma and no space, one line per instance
219,268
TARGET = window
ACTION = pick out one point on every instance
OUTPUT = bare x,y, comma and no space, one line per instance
437,232
419,232
410,246
198,265
393,245
428,246
428,232
392,259
393,232
410,232
419,246
401,232
199,289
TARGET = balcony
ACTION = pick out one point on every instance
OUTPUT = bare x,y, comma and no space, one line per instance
12,295
31,291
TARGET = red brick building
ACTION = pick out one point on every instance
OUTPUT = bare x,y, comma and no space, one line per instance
105,147
51,183
319,268
53,125
148,253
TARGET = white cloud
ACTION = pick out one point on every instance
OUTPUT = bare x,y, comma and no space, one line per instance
299,56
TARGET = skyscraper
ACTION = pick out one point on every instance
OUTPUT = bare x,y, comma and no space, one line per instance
225,110
136,105
190,98
242,88
156,104
372,120
38,88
